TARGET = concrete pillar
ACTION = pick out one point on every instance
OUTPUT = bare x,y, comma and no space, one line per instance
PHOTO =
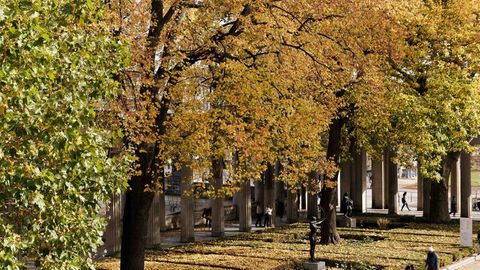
292,210
359,180
245,208
113,233
378,179
392,186
303,198
312,205
270,192
419,189
465,185
345,177
386,183
161,217
455,184
187,218
153,223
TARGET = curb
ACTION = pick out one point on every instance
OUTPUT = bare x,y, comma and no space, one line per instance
462,263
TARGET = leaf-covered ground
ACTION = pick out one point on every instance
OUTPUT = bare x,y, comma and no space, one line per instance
287,248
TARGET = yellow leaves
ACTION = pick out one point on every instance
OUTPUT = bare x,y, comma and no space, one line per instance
330,184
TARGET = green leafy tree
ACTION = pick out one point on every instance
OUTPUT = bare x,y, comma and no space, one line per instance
58,63
435,89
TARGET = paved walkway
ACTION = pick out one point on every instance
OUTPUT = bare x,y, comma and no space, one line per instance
172,238
473,266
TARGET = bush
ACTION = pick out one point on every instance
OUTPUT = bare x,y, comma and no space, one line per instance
383,223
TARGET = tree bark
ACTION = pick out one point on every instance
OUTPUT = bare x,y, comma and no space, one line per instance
312,198
439,190
465,186
270,192
135,216
328,233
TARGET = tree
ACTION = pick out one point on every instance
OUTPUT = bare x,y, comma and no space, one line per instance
220,77
345,42
436,88
58,64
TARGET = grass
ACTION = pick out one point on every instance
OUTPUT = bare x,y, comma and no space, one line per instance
475,178
287,248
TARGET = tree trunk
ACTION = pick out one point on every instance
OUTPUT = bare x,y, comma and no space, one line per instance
135,216
270,192
329,234
439,190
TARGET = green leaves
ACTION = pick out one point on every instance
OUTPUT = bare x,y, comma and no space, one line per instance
56,70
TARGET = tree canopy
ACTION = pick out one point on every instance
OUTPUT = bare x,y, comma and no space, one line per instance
57,68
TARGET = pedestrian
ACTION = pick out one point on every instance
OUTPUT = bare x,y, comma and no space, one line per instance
207,215
453,205
259,213
268,217
404,201
432,260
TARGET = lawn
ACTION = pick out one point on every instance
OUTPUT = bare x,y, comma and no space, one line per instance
475,178
287,248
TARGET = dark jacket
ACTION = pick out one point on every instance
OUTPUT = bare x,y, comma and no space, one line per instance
432,261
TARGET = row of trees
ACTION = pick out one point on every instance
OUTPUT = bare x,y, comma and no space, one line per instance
270,82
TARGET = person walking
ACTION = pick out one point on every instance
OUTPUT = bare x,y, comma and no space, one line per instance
453,205
404,201
207,215
268,217
432,260
259,213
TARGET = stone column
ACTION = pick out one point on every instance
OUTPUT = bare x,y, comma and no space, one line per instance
187,218
312,205
303,198
392,186
345,178
153,223
386,183
419,189
113,234
161,217
455,185
218,209
245,208
359,191
465,185
292,210
377,184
